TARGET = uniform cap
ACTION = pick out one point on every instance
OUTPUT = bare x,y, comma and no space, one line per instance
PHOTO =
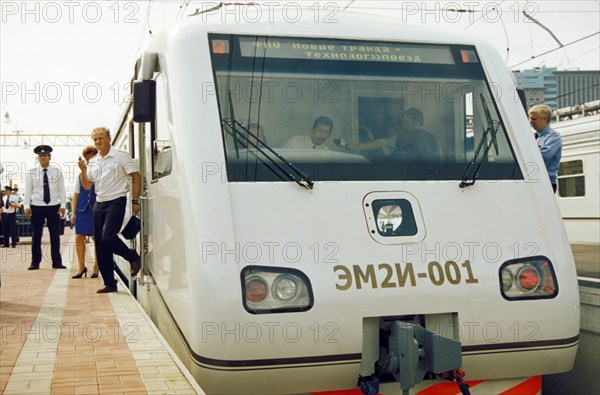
42,149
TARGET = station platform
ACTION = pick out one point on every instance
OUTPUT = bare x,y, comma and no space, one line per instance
58,336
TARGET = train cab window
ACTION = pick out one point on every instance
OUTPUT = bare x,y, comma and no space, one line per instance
571,180
356,110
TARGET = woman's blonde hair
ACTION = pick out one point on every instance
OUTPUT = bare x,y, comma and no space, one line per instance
89,150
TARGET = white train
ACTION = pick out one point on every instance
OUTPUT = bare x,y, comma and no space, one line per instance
579,177
278,270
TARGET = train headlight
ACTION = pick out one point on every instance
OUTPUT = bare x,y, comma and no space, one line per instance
275,290
285,288
528,278
389,218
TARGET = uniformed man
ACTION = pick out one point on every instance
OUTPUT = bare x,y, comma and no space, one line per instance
10,205
45,200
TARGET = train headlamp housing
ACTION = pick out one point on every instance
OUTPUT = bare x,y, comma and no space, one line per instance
275,290
528,278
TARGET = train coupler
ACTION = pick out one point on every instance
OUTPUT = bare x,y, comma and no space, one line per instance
414,351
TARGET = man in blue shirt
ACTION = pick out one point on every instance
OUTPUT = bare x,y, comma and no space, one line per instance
548,140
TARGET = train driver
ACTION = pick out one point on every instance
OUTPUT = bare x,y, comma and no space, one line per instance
321,130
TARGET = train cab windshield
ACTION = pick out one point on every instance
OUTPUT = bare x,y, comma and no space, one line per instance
340,110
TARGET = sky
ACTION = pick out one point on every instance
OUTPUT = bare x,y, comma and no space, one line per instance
65,66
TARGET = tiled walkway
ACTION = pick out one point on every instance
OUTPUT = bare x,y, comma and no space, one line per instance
57,336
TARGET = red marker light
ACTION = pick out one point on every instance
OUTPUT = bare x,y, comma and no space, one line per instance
468,56
529,279
220,47
256,290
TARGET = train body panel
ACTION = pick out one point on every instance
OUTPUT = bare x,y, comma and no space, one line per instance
297,281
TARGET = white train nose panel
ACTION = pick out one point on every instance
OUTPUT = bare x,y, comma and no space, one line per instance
394,217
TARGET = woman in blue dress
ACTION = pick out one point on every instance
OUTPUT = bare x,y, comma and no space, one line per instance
82,216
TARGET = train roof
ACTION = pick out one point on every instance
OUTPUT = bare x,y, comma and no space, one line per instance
307,21
579,129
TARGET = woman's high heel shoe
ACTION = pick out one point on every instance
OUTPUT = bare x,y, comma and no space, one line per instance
82,274
94,275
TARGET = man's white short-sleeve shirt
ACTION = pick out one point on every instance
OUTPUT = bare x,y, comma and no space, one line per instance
110,174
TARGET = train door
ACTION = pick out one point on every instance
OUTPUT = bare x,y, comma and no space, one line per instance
166,263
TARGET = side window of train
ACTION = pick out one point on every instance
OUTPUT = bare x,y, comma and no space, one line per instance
571,180
162,150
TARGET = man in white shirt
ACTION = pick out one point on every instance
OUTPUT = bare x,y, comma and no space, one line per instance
321,130
110,171
10,205
45,201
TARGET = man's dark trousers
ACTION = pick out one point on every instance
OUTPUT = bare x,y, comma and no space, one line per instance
49,214
108,220
9,228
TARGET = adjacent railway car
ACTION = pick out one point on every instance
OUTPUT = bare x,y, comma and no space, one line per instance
334,203
579,178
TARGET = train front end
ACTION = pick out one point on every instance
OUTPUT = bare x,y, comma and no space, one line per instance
416,234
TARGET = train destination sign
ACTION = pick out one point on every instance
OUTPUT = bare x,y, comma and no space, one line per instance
314,49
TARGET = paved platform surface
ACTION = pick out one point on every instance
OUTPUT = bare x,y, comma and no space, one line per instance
57,336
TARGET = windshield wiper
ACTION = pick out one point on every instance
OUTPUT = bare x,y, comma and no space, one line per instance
277,164
489,129
240,133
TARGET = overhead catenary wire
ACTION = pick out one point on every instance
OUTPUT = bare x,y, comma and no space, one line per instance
585,53
507,40
145,28
182,9
543,27
179,13
555,49
149,10
481,16
460,10
572,92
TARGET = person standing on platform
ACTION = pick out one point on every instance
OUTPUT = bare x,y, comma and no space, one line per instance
10,205
110,171
548,140
84,198
45,201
